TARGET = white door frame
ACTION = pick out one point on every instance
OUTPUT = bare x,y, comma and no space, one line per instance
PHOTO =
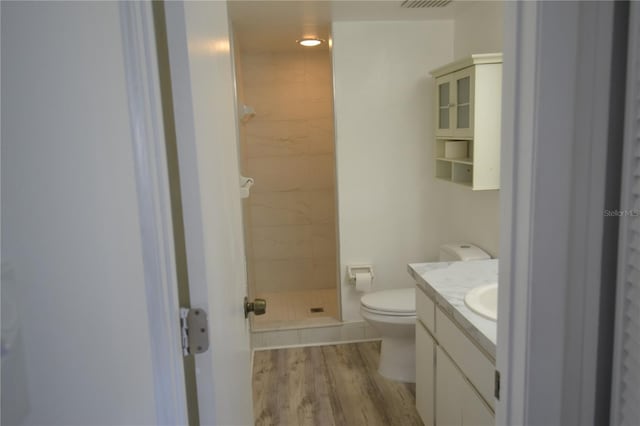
152,184
554,161
622,387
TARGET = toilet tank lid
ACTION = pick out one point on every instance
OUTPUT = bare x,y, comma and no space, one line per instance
402,300
464,251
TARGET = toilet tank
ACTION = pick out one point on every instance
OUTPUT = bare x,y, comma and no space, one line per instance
461,251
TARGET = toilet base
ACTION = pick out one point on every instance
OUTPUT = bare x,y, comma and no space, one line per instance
398,359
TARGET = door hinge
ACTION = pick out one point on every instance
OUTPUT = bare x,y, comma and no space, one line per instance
496,385
195,331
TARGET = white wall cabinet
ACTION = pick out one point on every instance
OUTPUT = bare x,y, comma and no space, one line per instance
452,383
455,102
468,110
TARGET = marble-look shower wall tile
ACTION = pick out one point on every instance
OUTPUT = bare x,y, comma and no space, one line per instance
320,133
323,206
290,138
303,173
291,109
323,240
277,174
316,92
317,69
325,272
267,138
288,148
283,242
273,101
278,92
321,172
282,275
281,208
271,68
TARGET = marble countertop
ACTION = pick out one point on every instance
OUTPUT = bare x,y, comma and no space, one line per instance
447,284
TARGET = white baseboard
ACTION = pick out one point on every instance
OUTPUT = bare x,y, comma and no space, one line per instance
308,345
347,332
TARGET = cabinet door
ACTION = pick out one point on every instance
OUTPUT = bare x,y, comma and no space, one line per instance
475,411
463,88
425,374
457,402
449,391
444,106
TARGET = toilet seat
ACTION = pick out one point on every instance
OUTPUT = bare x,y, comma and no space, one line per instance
399,302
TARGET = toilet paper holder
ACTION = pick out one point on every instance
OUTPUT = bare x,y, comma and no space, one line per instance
352,270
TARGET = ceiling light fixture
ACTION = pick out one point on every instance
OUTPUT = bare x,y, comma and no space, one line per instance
310,42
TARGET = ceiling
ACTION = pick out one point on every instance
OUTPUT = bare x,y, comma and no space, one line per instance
267,25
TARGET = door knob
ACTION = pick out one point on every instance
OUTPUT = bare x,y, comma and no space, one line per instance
258,307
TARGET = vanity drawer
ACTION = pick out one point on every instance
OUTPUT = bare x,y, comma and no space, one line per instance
475,365
426,310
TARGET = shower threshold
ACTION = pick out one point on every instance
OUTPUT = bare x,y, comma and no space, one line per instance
298,309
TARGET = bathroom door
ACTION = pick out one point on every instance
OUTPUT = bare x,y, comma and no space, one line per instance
204,108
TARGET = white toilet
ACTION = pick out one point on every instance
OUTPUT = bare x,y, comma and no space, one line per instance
393,314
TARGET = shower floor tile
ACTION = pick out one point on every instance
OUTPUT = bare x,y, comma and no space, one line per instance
288,309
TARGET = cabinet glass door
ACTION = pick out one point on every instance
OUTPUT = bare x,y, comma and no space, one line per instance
443,105
463,103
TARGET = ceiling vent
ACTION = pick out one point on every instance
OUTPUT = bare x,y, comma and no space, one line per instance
418,4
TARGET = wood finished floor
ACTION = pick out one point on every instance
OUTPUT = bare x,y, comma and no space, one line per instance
329,385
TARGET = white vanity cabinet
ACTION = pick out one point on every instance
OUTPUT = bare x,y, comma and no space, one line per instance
425,374
454,379
468,111
426,363
457,403
474,409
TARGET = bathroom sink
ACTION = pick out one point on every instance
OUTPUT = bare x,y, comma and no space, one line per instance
483,300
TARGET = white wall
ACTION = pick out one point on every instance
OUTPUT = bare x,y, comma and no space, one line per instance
70,229
387,196
474,216
471,216
478,27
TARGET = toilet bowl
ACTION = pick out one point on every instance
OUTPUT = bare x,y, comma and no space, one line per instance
393,314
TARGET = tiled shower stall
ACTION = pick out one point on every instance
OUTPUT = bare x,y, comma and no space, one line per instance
287,147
